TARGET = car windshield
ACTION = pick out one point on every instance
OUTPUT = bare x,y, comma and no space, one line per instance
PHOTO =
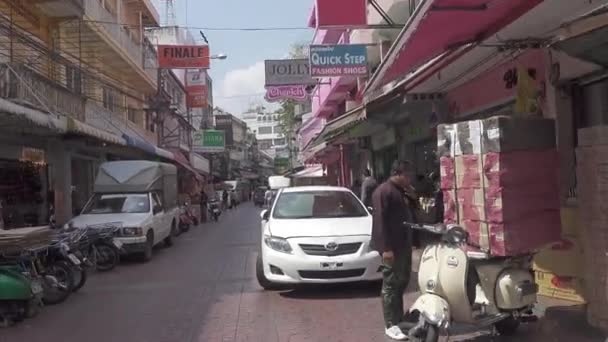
317,204
118,204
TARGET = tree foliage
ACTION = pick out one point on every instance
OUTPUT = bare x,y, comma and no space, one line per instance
286,111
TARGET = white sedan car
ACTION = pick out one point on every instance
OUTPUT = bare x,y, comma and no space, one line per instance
316,234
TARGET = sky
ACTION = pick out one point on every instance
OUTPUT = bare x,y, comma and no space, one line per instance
239,80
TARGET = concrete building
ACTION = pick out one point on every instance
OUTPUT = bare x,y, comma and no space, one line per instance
267,129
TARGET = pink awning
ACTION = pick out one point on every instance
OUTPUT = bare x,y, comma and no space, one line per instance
439,25
183,161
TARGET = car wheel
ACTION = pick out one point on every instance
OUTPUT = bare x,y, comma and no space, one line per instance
261,277
147,254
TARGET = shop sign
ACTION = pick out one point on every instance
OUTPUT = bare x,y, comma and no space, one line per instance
338,60
208,141
200,163
295,93
183,56
281,164
33,155
384,139
196,88
341,13
284,72
224,123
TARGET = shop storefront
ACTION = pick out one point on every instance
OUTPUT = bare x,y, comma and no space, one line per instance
384,153
24,186
84,169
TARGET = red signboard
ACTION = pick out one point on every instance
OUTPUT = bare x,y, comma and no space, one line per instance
196,100
341,13
196,89
183,56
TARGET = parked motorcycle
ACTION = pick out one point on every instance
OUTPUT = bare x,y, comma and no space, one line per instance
468,289
41,266
20,294
213,206
69,244
99,247
187,218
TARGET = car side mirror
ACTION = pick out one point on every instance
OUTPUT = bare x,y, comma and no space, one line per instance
265,215
370,209
157,209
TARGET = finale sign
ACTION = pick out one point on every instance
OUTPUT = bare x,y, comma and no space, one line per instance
183,56
338,60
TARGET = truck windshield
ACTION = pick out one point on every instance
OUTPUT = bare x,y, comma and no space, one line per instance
118,204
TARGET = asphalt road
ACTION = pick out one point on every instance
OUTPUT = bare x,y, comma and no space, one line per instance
203,289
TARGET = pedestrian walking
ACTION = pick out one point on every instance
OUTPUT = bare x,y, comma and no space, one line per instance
267,198
224,200
356,188
392,239
204,200
367,188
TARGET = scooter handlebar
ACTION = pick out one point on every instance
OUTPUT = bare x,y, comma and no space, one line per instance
432,228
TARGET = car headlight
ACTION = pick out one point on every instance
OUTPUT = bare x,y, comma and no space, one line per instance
278,244
132,231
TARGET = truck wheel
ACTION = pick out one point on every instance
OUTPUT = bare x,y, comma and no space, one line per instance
169,239
147,254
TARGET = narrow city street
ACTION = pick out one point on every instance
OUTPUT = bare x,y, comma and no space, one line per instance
204,289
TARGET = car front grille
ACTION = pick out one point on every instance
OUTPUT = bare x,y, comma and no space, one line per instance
343,249
332,274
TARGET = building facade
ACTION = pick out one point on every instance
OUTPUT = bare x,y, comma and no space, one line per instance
267,129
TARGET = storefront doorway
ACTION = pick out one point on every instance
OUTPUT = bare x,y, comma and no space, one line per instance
83,176
383,161
23,193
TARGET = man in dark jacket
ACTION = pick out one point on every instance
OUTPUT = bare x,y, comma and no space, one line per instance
367,188
392,239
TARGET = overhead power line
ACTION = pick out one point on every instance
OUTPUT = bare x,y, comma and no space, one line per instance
270,28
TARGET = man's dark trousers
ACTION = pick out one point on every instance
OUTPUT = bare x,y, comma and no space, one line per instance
395,279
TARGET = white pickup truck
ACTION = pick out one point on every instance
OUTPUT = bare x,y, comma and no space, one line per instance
142,195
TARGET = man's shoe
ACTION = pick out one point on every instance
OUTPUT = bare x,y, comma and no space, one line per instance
395,333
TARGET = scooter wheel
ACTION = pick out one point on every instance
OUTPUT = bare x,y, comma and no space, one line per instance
507,327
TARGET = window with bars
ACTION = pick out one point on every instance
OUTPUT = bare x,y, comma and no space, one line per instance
132,115
73,79
110,99
265,130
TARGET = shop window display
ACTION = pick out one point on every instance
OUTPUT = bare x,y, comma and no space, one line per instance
23,193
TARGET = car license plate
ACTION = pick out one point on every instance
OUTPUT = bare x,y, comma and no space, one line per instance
74,259
36,287
117,243
331,265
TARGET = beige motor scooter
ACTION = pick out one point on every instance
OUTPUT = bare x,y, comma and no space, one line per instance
464,291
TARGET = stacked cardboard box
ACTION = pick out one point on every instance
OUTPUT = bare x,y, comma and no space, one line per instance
559,266
499,178
592,190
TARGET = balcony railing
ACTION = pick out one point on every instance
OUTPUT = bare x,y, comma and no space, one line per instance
22,85
117,123
108,22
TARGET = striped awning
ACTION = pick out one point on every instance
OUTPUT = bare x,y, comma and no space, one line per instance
79,127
